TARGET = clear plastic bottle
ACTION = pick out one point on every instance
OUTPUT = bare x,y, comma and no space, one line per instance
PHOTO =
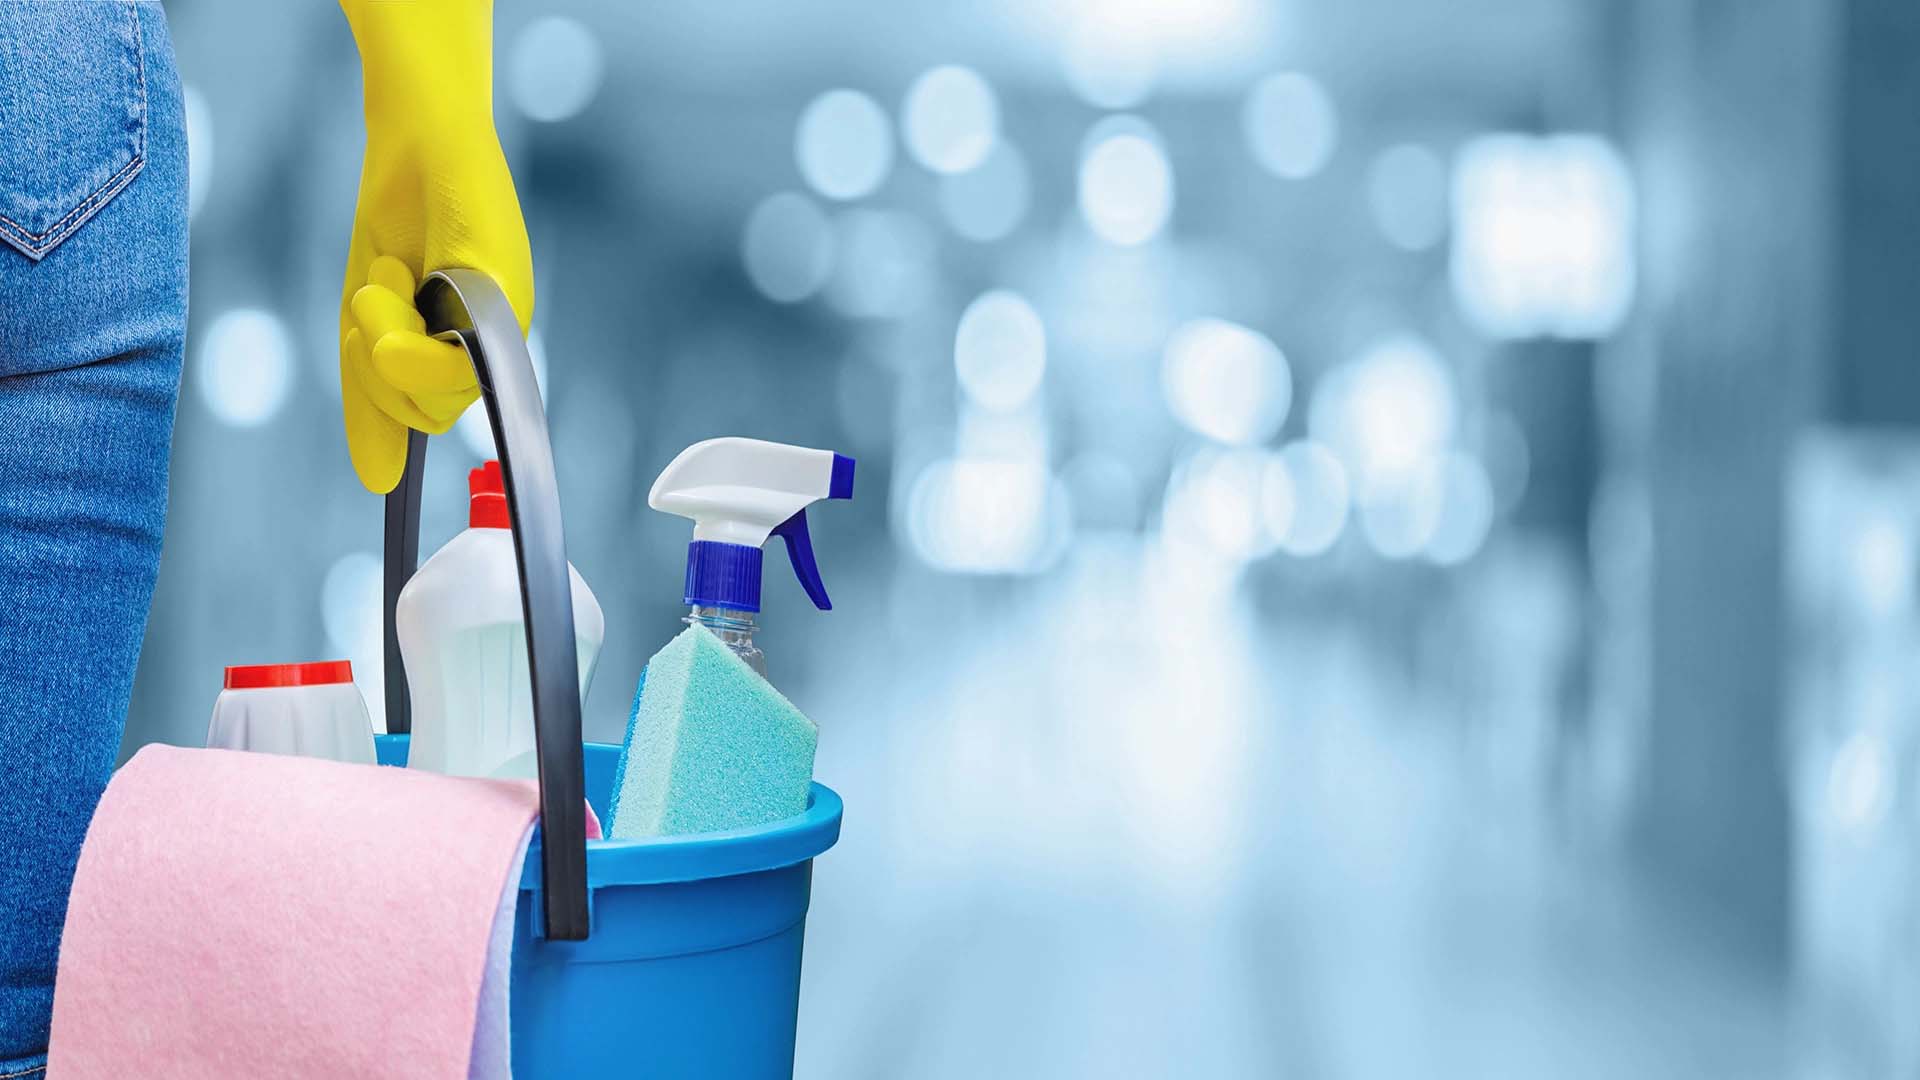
463,637
735,631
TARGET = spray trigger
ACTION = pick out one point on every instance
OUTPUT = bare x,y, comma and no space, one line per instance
800,552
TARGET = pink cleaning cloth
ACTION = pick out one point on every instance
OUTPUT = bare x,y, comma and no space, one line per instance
238,914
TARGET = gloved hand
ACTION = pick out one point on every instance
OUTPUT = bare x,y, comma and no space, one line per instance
434,193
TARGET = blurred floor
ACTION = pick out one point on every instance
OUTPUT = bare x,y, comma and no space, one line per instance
1100,912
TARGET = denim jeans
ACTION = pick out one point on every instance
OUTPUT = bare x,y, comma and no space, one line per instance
93,306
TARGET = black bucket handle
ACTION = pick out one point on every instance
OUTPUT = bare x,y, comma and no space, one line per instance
469,306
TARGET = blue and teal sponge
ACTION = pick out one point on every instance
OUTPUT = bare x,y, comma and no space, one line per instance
710,746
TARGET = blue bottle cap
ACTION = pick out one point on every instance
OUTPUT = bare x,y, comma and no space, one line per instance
734,490
723,575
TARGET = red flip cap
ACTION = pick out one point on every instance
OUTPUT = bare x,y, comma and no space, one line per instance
487,505
260,676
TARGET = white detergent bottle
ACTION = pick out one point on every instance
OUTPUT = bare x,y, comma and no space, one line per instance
464,641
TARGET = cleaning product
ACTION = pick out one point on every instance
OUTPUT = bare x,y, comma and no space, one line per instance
463,638
738,493
711,745
313,710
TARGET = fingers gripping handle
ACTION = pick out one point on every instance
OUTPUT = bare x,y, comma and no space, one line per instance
471,305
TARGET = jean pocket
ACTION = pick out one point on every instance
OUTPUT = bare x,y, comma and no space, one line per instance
73,115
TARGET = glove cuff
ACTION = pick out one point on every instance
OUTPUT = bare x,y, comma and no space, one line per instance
424,63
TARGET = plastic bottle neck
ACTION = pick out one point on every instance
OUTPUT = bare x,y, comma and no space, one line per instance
734,629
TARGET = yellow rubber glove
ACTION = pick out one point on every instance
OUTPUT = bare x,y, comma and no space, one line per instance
434,193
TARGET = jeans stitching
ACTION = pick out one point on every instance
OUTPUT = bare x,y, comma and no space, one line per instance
112,185
24,1072
140,68
115,182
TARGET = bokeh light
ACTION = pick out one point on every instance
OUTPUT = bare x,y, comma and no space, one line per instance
1226,382
1218,498
200,149
1466,511
1543,235
843,145
987,202
1318,499
787,247
1387,413
1407,192
950,120
1289,125
350,597
1400,512
883,266
1000,350
987,517
246,366
1883,566
1126,182
1277,498
555,68
1860,783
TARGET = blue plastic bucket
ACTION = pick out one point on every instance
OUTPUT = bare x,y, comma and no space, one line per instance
676,957
693,966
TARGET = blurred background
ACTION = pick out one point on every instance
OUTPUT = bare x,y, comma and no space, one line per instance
1386,532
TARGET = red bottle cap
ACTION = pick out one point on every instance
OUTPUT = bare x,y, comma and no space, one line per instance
319,673
487,505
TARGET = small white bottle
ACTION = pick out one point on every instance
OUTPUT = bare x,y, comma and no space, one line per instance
310,710
463,637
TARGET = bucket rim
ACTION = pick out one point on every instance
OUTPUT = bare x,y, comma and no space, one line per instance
664,860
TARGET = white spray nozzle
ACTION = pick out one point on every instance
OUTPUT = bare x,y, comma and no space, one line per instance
739,492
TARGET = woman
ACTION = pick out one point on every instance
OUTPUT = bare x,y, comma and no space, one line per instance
93,308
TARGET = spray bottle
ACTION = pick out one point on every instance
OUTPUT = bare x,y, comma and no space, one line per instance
740,492
711,746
